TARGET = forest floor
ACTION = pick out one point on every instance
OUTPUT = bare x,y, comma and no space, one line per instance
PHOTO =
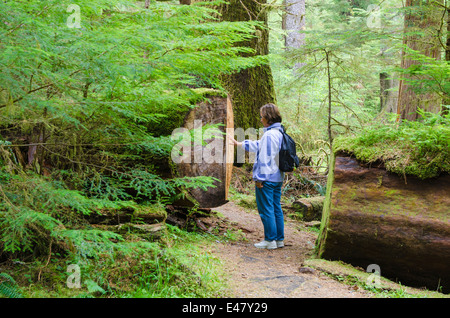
279,273
291,271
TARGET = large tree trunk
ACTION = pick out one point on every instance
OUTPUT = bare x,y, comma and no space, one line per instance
253,87
371,216
421,17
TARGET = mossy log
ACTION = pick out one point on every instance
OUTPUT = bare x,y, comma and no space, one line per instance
148,215
400,223
309,208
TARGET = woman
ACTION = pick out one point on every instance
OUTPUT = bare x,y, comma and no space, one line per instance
268,178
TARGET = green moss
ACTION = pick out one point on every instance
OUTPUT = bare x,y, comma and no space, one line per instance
417,148
391,192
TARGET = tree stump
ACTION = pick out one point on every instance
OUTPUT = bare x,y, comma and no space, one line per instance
399,223
213,155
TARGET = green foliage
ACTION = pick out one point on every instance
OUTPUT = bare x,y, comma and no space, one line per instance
86,116
133,63
357,53
427,74
183,270
419,148
8,287
127,72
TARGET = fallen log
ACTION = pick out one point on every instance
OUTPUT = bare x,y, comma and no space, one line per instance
310,209
149,215
371,216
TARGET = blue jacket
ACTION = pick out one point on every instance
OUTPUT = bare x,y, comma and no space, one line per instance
265,167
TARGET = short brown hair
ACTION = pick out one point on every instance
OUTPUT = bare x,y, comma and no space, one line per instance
271,113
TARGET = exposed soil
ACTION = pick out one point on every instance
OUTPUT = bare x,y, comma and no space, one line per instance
279,273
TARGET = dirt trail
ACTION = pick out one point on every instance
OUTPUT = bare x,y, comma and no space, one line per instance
261,273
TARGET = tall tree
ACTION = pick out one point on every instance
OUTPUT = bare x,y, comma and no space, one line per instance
447,52
252,87
294,22
447,48
421,22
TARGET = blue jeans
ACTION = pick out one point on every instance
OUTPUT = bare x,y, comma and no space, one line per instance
268,200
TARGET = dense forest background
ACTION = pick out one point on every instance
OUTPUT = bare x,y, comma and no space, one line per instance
91,92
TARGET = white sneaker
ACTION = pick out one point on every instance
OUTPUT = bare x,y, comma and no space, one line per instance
280,243
266,244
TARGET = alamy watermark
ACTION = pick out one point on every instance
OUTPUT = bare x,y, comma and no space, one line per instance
374,280
74,279
74,20
377,16
204,144
374,18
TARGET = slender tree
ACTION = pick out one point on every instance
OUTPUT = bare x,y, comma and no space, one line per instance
447,52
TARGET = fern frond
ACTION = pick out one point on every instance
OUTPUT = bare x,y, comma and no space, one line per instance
8,287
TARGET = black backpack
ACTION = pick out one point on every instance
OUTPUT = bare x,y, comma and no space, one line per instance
287,157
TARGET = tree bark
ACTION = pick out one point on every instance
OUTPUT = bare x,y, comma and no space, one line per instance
447,58
420,17
294,21
253,87
209,155
388,93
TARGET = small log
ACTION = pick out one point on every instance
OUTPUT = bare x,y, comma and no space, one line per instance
309,208
201,225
